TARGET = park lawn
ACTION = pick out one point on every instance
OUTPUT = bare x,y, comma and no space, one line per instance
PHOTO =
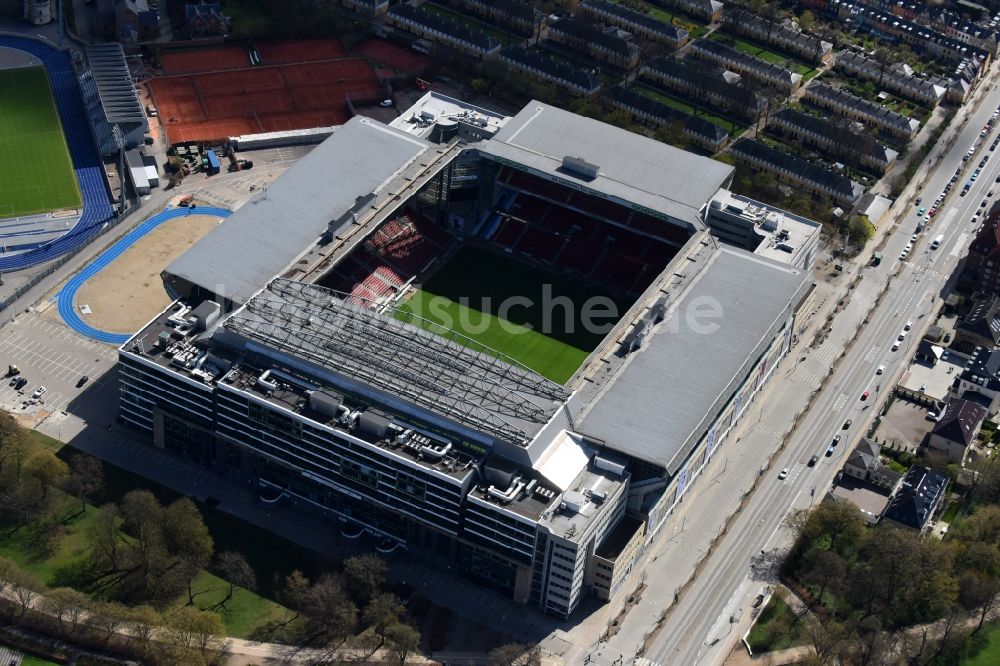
36,171
660,96
776,628
29,660
990,654
501,36
268,554
762,52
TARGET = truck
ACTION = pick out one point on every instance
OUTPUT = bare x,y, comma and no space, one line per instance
936,243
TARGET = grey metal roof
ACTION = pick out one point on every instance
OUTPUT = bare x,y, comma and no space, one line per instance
117,93
632,168
268,234
669,392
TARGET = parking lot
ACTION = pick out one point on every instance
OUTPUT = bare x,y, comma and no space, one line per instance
51,355
905,425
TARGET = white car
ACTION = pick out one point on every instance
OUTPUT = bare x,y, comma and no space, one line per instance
39,392
913,239
783,473
879,370
909,246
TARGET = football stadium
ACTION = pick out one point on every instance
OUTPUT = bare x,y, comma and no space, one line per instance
504,344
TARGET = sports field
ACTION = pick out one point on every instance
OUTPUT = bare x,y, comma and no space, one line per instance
36,173
532,316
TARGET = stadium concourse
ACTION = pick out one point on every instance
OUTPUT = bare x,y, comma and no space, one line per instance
67,295
96,205
295,361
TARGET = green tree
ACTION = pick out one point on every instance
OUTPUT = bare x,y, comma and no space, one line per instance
45,469
382,611
807,21
187,540
86,478
237,573
515,654
402,640
68,606
364,575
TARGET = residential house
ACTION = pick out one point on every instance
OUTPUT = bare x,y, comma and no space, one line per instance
532,63
841,138
956,429
203,19
516,16
852,106
705,83
443,31
750,66
916,500
979,328
928,353
982,264
981,376
704,133
369,8
708,10
584,37
920,38
813,49
893,77
128,21
798,172
865,464
954,26
641,25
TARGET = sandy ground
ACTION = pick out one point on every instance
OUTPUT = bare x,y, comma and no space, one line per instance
129,292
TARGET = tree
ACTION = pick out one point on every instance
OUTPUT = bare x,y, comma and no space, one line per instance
382,611
46,470
237,572
807,21
109,618
67,606
141,624
11,443
330,615
402,640
107,549
827,572
25,588
515,654
196,634
188,540
672,132
86,479
364,575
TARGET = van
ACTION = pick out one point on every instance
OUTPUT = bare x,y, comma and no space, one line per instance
151,110
936,243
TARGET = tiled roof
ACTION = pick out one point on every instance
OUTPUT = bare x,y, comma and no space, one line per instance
587,31
572,75
693,124
447,26
834,132
844,186
728,54
960,421
822,91
917,498
638,18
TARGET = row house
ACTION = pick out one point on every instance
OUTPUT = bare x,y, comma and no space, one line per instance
543,68
982,264
749,66
963,80
705,83
944,20
811,48
852,106
844,139
443,31
797,172
583,36
704,133
890,77
369,8
922,39
708,10
639,24
517,17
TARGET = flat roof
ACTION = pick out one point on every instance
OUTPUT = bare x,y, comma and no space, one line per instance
420,118
631,167
779,228
288,217
689,366
117,93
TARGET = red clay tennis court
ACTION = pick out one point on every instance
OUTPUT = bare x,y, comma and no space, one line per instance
211,104
393,55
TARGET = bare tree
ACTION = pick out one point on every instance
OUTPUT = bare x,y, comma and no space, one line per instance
237,573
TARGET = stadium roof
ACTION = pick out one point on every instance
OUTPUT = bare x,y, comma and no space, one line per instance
486,392
270,233
115,89
666,394
632,168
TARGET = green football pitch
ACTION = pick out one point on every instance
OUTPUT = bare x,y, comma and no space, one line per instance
36,173
536,318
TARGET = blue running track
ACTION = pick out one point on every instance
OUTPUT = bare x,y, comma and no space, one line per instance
97,207
67,295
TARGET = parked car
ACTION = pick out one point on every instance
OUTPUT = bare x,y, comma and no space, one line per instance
39,392
83,380
829,452
895,346
847,424
21,383
908,326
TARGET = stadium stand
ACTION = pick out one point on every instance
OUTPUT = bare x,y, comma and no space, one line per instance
96,203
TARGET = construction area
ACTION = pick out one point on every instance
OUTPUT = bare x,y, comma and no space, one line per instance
211,94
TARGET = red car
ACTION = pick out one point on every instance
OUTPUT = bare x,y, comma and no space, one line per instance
864,396
932,212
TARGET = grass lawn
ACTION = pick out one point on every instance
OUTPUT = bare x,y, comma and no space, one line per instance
776,628
267,553
734,128
990,654
763,53
36,173
501,36
471,290
28,660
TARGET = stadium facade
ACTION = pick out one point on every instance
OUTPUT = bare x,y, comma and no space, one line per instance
284,363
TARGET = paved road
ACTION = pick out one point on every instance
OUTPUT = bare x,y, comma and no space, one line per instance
698,631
